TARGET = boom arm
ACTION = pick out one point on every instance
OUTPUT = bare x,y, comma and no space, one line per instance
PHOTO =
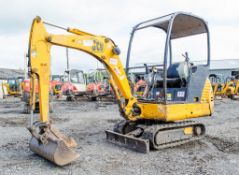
100,47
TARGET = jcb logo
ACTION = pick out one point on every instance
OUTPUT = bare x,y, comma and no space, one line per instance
97,46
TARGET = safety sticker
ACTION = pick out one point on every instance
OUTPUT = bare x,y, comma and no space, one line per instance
34,53
113,61
88,43
122,77
117,71
180,94
169,96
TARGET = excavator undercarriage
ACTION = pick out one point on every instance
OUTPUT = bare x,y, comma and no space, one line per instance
142,136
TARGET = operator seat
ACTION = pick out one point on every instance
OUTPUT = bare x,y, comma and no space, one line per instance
177,75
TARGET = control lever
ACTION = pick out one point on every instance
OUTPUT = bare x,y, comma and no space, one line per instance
186,56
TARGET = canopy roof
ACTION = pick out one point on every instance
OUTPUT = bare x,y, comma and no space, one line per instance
184,24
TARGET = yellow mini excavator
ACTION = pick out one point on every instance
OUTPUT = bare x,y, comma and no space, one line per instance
13,87
227,88
217,85
177,91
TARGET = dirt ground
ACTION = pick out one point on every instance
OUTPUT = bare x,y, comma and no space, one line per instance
216,153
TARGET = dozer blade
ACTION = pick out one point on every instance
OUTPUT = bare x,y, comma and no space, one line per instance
127,141
53,146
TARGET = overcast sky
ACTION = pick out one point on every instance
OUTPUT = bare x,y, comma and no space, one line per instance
110,18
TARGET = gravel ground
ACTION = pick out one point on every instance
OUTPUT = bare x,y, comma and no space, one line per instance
216,153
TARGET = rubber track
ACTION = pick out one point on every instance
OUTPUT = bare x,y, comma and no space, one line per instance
175,125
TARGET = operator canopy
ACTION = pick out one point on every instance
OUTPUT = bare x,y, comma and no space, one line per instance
183,24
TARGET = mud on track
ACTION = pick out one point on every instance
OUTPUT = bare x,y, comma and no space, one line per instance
216,153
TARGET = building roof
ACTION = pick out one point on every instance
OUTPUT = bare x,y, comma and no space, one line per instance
9,73
224,64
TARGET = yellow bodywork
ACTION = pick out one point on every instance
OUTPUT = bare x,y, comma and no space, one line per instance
216,91
188,131
103,49
233,89
56,91
237,88
5,86
176,112
228,89
99,47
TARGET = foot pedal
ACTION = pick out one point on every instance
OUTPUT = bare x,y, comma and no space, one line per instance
134,143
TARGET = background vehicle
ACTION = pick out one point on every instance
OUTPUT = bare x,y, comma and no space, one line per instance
56,84
224,88
217,82
177,90
26,97
231,88
98,85
75,87
13,87
235,95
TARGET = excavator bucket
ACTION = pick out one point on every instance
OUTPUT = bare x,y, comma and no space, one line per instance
56,147
55,151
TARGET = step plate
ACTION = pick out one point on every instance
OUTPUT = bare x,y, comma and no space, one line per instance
136,144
